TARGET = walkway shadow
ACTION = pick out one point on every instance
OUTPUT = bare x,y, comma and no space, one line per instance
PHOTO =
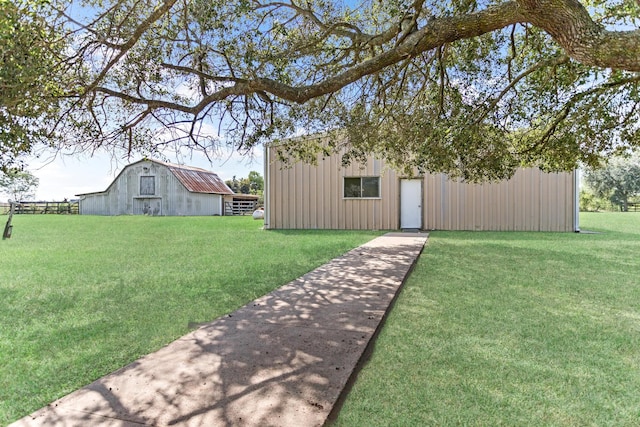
281,360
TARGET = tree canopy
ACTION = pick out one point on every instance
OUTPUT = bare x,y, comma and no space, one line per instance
252,184
618,180
29,77
18,185
470,88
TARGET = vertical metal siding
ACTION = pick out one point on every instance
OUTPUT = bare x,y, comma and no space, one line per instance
307,196
530,201
94,204
121,196
327,196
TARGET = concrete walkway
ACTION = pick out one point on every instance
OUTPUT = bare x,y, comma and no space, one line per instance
281,360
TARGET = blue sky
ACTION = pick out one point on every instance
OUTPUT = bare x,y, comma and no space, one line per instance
65,176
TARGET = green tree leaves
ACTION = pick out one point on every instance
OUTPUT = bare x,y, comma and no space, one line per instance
253,184
472,89
29,88
18,185
618,180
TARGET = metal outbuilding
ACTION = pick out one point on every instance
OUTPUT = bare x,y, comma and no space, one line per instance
152,187
373,196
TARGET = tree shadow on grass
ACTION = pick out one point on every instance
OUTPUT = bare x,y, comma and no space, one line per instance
281,360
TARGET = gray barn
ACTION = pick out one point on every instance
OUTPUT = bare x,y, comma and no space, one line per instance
152,187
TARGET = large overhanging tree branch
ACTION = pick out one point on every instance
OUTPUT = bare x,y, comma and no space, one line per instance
471,88
571,26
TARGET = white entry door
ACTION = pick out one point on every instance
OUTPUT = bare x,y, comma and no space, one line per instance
411,203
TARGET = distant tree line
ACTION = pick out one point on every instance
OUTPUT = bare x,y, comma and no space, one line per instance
616,184
253,184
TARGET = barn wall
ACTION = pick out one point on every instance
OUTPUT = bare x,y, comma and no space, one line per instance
305,196
123,197
94,204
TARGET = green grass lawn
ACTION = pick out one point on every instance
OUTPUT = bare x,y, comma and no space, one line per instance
515,329
491,328
81,296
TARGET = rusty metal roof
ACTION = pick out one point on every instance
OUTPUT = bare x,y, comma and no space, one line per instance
198,180
195,180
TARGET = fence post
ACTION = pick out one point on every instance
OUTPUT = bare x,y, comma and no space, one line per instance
8,227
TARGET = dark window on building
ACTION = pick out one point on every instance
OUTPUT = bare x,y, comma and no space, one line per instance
363,187
147,185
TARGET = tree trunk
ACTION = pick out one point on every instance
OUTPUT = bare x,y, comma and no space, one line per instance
8,227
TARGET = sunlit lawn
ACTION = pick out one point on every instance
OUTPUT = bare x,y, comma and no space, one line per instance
81,296
514,329
491,328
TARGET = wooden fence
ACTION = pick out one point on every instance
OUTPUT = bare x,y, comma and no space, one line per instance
64,207
240,207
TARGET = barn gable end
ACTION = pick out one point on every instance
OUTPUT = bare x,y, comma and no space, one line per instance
151,187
